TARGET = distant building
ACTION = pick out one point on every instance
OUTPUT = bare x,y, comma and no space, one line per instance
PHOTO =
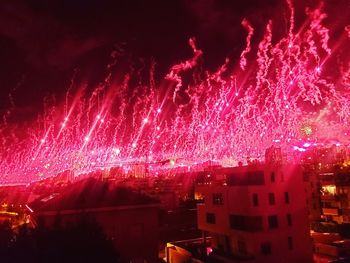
259,214
331,246
312,190
128,218
190,250
273,155
335,195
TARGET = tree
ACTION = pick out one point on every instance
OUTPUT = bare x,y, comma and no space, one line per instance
80,242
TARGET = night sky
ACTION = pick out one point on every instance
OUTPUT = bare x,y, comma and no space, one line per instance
43,43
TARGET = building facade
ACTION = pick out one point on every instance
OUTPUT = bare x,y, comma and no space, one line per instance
335,193
259,213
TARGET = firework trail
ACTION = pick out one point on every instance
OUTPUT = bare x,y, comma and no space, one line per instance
282,96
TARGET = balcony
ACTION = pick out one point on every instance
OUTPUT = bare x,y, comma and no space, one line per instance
335,197
330,211
346,211
328,197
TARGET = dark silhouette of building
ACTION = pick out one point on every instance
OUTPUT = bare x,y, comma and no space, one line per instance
128,218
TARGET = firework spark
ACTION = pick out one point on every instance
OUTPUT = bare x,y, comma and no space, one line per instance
285,96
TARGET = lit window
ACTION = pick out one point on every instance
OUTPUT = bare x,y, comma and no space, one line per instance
218,199
329,189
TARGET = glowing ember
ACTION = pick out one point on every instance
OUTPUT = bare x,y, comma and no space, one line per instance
307,130
226,116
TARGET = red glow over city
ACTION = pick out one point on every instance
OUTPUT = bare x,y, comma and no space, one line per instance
285,94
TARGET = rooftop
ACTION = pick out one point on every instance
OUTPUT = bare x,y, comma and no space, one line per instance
91,193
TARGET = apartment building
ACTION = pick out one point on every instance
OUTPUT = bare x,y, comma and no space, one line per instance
258,213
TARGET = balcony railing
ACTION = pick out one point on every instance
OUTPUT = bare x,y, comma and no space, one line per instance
346,211
330,211
328,197
336,197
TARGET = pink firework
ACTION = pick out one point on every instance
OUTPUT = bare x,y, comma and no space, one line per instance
281,97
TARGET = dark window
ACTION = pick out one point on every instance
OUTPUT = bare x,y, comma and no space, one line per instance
273,222
286,197
327,205
272,198
289,219
290,242
246,223
253,223
266,248
255,200
248,178
237,222
211,218
255,178
218,199
242,248
136,231
273,177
